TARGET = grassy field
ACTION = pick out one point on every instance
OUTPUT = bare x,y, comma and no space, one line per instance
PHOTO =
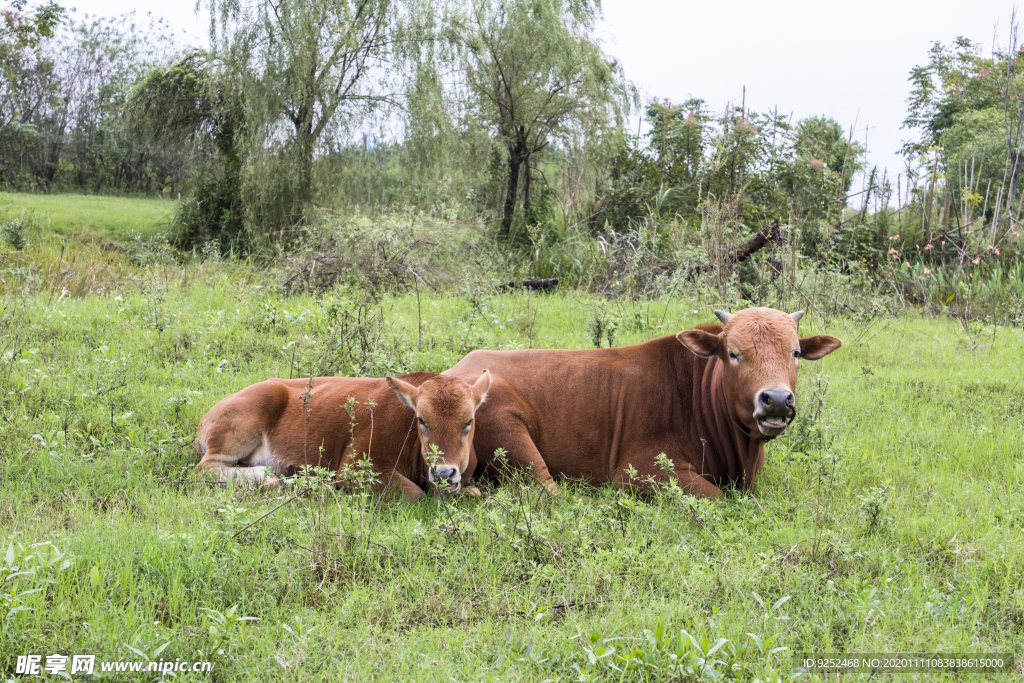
889,519
72,214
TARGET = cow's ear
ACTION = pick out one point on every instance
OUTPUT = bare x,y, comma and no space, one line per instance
405,391
818,346
483,383
700,342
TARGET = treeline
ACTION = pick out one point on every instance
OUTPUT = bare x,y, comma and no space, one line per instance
506,113
62,117
326,103
506,110
965,179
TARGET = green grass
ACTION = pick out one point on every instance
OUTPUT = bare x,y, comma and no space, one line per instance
889,521
74,214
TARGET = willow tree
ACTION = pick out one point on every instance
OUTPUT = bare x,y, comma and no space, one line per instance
305,69
536,75
186,106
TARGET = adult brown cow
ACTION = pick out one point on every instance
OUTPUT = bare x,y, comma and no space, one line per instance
284,424
708,398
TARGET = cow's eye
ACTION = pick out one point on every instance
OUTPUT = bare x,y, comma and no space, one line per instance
735,357
468,425
796,353
422,423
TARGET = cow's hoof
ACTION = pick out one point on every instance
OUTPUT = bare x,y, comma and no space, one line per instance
552,488
472,492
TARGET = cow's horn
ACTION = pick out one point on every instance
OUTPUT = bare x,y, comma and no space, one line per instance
796,316
724,317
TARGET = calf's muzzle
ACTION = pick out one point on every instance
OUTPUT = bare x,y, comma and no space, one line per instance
446,478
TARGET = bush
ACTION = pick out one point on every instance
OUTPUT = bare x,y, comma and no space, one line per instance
12,232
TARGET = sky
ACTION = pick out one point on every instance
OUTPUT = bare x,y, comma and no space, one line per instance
849,61
846,60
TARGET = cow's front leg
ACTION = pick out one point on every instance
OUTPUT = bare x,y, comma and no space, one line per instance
520,451
640,472
691,482
398,483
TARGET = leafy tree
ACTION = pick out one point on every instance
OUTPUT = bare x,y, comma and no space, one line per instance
821,141
956,79
974,156
186,106
763,167
661,176
20,30
302,69
822,168
536,76
969,111
679,140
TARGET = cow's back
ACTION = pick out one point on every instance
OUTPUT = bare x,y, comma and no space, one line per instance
582,407
302,424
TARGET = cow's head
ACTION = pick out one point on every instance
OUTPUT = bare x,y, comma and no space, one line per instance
445,409
760,352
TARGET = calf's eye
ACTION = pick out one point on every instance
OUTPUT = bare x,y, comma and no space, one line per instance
734,356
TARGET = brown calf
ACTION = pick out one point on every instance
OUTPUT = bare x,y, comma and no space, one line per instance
273,428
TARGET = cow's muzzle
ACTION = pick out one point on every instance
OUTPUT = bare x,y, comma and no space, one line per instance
775,409
445,479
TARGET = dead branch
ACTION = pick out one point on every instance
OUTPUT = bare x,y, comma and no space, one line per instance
769,233
543,283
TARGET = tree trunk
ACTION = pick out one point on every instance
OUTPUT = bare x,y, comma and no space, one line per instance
305,140
515,163
1015,156
930,197
304,183
526,186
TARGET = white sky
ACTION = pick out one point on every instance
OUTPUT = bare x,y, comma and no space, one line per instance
846,60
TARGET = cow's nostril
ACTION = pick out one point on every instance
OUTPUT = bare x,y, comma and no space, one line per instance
790,400
766,398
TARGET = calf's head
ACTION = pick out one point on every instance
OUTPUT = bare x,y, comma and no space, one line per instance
445,409
760,353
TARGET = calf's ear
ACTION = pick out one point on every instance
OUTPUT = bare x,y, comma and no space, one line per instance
818,346
700,342
483,383
405,391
